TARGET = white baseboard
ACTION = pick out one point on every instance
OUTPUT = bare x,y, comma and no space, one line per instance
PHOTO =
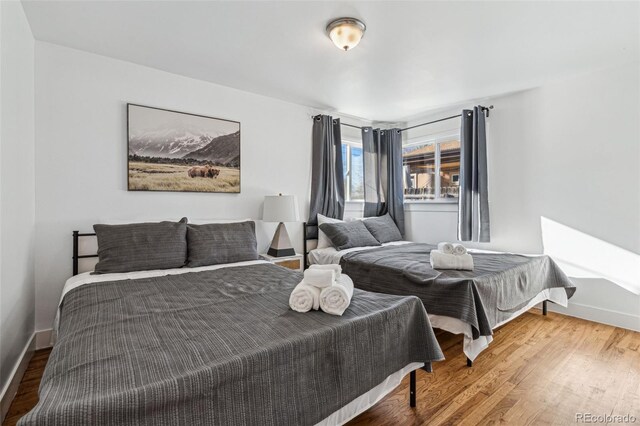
11,388
601,315
43,339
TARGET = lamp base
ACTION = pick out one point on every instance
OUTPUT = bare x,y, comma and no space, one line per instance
281,243
281,253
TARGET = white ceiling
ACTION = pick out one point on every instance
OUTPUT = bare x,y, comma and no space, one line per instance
415,56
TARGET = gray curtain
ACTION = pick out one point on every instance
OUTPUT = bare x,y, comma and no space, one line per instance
327,178
383,174
473,207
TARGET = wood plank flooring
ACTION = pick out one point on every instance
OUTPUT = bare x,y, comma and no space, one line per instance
27,395
538,370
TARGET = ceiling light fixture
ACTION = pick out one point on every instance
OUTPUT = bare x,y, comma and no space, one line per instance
346,32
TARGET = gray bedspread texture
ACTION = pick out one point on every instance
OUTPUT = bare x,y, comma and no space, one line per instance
499,285
220,347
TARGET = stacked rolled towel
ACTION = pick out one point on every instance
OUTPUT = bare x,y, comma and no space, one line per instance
335,268
446,248
320,278
451,256
459,249
335,299
306,295
323,287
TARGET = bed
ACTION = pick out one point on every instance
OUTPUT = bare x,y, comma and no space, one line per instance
472,303
218,344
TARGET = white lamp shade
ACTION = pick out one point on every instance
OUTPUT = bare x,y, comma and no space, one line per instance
280,208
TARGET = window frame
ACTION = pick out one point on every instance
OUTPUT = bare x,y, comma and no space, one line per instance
349,143
434,139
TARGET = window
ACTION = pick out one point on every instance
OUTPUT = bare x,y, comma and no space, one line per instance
353,167
432,169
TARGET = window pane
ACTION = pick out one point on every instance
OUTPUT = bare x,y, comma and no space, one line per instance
345,170
419,169
357,175
449,169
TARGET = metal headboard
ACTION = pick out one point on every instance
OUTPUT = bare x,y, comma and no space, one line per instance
309,233
76,255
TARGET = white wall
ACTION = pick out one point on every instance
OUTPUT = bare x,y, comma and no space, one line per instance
81,154
569,152
544,145
17,187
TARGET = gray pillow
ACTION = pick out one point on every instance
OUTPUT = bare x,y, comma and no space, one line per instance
141,246
383,229
346,235
216,243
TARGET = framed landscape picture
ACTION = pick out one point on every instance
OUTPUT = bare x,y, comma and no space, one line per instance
176,151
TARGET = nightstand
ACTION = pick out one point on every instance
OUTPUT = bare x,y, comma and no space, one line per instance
292,262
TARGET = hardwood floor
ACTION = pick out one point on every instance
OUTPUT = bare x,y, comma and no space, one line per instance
27,395
538,370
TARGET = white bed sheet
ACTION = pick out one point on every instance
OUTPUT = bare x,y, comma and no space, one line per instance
369,399
472,347
339,417
329,255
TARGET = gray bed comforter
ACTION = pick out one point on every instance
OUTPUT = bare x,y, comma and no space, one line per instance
220,347
499,285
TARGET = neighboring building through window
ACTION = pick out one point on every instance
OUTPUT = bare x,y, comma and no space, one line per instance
432,169
353,168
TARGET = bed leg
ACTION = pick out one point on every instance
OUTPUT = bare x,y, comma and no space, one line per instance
544,307
469,363
412,389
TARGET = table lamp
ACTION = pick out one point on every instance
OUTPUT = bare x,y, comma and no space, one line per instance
280,208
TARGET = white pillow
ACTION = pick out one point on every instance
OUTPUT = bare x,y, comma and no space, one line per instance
323,240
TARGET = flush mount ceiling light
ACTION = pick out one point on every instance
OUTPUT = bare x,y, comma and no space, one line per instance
346,32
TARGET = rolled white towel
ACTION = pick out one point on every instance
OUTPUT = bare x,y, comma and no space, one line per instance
335,300
440,260
459,249
445,247
335,268
320,278
304,297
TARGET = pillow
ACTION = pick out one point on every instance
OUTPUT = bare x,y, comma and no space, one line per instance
323,240
346,235
383,229
141,246
217,243
209,221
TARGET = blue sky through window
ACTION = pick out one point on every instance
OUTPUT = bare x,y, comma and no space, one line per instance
353,169
357,174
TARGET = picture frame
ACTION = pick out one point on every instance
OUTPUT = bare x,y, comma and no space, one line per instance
175,151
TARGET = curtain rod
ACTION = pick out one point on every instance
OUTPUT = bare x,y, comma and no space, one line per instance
341,123
484,108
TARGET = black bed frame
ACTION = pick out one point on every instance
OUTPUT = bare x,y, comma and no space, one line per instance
306,238
77,256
